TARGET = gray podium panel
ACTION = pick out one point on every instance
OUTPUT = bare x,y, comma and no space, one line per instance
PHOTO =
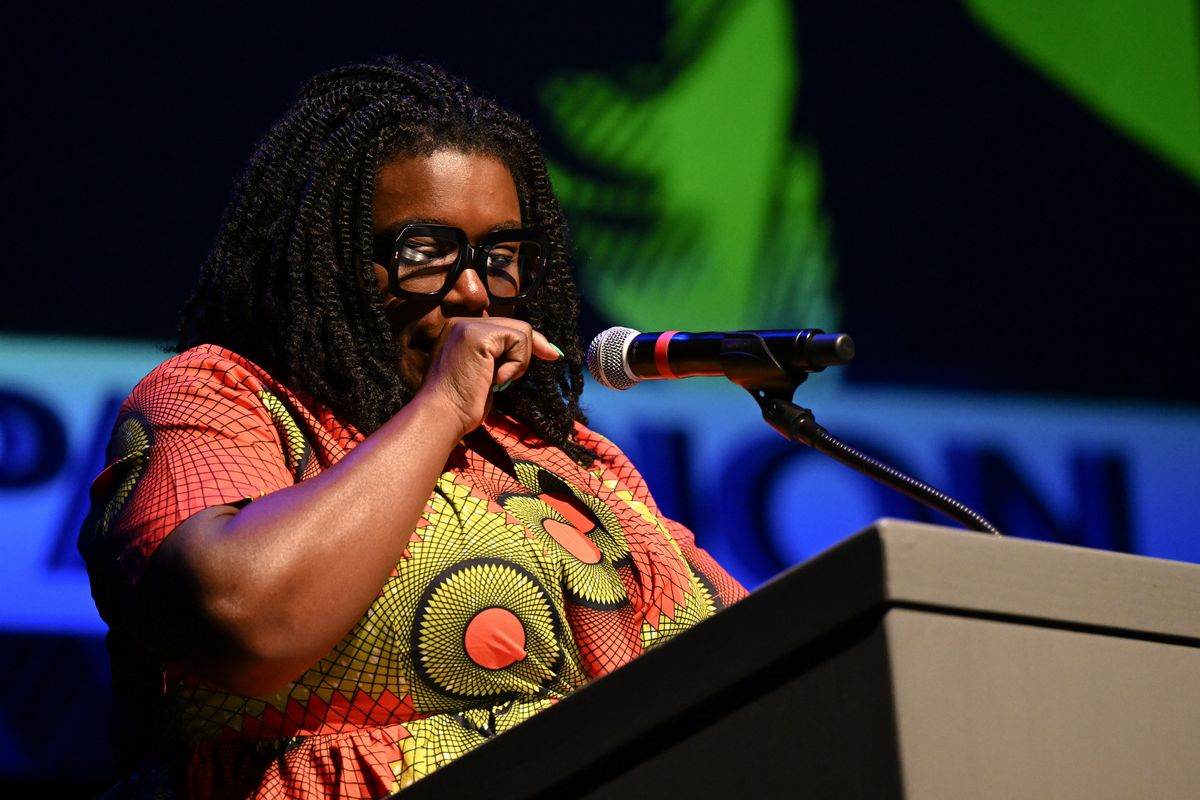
910,661
989,709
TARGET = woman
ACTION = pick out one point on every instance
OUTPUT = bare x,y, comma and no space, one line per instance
357,526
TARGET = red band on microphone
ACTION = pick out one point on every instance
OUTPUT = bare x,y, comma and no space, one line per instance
660,354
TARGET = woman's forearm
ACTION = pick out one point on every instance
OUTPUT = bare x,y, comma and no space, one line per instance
251,598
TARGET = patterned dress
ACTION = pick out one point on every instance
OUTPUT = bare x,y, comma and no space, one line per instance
527,576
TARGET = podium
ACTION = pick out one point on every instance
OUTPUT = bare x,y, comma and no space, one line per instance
909,661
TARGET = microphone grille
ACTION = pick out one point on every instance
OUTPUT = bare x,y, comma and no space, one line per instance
606,358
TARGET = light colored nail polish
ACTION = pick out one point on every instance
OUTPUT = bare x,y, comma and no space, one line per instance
502,386
558,350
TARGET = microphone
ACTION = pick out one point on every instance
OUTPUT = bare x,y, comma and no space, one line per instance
620,357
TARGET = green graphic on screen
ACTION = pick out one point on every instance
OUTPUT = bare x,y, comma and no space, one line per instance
701,212
696,206
1137,64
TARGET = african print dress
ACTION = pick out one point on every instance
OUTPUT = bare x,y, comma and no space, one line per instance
527,576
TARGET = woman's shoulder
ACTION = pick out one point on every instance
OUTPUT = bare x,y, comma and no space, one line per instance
215,384
209,361
204,382
209,371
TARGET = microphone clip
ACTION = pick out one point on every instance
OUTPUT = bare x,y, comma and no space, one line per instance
747,360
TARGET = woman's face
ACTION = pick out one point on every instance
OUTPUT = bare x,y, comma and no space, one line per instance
473,192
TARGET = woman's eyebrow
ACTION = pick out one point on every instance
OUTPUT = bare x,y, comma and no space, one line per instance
394,227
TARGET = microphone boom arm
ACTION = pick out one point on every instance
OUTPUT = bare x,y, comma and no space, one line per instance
747,360
799,425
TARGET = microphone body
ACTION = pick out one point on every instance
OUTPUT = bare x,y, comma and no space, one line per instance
620,357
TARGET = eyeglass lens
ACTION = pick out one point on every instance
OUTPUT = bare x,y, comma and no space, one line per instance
426,261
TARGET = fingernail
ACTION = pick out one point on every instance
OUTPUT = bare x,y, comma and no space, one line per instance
558,350
501,387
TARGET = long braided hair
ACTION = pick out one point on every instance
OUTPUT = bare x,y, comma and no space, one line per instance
289,282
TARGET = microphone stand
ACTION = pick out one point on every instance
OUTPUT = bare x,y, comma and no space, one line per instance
749,363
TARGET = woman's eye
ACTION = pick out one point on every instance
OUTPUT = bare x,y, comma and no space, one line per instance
504,258
426,251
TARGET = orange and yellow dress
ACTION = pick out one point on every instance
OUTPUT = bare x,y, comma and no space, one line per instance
527,576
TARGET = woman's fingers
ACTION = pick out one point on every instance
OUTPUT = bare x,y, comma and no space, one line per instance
533,344
545,349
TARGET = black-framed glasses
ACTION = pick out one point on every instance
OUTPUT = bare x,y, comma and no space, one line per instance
427,260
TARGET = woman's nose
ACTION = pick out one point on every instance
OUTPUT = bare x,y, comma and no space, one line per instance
468,296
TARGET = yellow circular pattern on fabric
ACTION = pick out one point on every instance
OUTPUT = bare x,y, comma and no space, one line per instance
449,605
595,585
608,536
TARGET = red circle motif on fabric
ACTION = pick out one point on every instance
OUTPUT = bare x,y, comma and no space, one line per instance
573,541
495,638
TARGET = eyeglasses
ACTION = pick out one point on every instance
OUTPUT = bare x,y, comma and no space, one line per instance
426,261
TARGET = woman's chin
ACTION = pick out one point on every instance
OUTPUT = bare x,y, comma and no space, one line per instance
412,369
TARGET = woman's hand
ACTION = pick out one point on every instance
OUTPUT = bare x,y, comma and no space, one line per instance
475,356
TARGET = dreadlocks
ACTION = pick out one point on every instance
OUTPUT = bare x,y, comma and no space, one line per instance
289,281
